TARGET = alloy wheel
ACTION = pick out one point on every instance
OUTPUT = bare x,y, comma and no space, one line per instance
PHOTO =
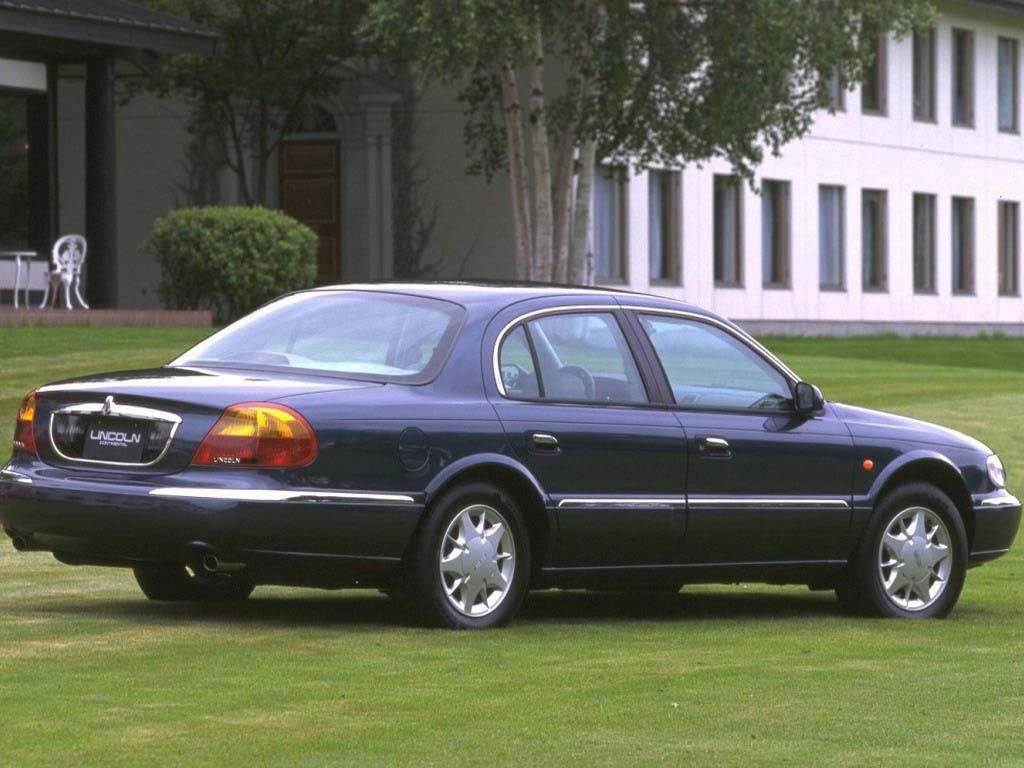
915,558
477,560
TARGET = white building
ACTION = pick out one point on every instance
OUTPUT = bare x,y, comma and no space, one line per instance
904,206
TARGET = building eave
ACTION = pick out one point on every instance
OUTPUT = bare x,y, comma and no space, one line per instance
48,24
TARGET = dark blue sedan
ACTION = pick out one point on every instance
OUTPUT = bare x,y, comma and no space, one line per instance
456,445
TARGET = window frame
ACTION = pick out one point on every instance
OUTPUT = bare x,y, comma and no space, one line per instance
1013,205
783,235
839,287
1014,129
929,116
656,383
620,178
932,199
636,313
738,219
674,274
970,240
523,321
970,78
883,197
880,66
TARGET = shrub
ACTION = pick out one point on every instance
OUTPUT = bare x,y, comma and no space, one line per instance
230,260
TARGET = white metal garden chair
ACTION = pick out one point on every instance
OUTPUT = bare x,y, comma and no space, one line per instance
65,269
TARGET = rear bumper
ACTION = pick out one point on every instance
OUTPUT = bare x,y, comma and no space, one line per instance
996,520
124,520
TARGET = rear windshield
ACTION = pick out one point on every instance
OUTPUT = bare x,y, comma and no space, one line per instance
356,334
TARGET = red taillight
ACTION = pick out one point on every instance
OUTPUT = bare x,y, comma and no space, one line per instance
258,435
24,432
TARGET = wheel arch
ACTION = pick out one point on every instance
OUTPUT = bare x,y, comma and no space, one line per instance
512,477
933,468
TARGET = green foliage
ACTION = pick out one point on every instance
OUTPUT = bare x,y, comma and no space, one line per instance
653,82
275,62
230,260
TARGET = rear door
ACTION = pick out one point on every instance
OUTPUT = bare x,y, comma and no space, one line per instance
574,403
765,484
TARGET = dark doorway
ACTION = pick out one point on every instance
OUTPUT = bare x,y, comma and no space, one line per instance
26,172
311,192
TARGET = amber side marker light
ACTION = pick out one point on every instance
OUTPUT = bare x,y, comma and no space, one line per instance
24,433
258,435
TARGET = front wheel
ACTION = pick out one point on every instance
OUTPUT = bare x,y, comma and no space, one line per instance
470,567
174,584
912,560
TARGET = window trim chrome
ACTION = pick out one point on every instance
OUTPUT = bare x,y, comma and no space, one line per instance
110,408
741,335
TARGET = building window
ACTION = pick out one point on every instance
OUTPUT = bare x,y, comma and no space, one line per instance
1009,249
831,237
775,234
963,78
872,89
924,76
924,243
836,93
664,214
1007,88
874,239
963,245
728,231
610,217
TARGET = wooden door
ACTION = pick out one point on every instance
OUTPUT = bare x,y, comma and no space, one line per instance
310,173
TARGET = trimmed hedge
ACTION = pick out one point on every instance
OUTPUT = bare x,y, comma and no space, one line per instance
230,259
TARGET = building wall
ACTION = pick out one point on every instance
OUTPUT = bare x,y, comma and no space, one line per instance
862,151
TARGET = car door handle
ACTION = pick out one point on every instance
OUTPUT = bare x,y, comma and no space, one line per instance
714,446
544,441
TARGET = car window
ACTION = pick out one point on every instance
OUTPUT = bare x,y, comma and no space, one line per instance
710,368
584,356
382,336
518,374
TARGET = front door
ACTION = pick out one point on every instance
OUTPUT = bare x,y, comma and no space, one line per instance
310,173
574,408
764,484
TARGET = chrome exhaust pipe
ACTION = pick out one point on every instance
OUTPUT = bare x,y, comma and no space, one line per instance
20,545
213,564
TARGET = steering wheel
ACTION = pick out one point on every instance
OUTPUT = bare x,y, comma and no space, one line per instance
589,388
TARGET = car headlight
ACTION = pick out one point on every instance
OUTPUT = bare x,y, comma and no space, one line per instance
996,473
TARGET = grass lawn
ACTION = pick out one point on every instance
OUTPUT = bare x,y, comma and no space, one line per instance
90,673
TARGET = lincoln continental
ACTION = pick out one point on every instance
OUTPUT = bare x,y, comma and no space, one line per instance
456,445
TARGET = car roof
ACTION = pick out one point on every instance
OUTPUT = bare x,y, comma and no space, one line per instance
498,295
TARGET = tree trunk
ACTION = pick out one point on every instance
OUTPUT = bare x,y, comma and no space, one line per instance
562,205
581,267
541,167
517,171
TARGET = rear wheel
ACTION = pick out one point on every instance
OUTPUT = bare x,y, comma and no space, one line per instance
174,584
912,560
470,567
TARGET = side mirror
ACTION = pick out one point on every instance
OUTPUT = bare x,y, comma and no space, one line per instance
808,398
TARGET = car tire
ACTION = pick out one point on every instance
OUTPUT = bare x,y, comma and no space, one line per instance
912,559
461,557
174,584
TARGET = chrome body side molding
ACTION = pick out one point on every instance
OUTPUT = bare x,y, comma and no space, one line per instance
267,495
623,502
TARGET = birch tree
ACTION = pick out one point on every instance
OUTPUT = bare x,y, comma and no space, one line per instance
638,83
